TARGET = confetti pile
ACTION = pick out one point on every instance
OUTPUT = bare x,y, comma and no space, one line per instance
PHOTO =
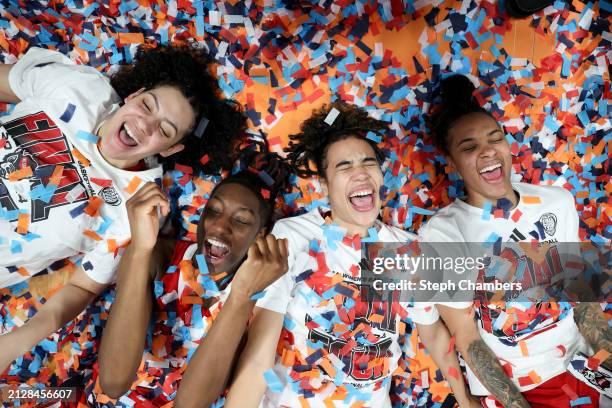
282,59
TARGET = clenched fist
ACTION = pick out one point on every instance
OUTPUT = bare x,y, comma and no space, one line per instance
142,211
266,262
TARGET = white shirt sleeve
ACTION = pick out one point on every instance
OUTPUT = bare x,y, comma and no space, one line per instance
45,74
100,264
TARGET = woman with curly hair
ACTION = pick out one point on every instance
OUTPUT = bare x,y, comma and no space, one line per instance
76,147
336,347
234,258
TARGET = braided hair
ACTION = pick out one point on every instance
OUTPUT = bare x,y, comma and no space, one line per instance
264,173
309,147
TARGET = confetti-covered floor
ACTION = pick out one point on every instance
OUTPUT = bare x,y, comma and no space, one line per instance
546,79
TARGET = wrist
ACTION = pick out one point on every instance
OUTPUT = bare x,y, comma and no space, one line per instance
238,296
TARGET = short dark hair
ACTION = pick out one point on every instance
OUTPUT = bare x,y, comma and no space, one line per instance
188,69
457,101
310,145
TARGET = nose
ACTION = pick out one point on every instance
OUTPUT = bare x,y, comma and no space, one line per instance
220,227
148,125
487,151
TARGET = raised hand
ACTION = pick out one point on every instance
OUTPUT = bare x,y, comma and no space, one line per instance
266,262
143,215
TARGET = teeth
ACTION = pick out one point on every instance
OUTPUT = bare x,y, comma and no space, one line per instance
129,133
214,242
490,168
361,193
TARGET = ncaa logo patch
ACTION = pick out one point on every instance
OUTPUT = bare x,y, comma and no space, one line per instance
549,222
110,196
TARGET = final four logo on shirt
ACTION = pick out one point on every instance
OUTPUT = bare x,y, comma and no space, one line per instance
549,222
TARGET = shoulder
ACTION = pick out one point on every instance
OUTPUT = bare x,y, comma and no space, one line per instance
394,234
305,225
548,194
444,225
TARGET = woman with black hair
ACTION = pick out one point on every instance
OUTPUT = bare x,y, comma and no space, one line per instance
337,348
202,290
535,341
76,147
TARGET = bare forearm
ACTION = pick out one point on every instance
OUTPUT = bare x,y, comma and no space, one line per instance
486,366
201,386
436,339
594,327
6,93
127,324
61,308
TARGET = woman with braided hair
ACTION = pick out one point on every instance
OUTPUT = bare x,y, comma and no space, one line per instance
234,258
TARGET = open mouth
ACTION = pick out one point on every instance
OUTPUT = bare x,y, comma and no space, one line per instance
126,136
215,250
492,172
362,199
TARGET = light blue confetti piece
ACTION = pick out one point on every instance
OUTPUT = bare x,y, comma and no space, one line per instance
492,238
258,295
88,137
158,288
486,211
422,211
202,266
580,401
288,323
48,345
274,383
372,235
16,247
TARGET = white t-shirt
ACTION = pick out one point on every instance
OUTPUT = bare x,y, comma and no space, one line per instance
543,339
327,323
60,102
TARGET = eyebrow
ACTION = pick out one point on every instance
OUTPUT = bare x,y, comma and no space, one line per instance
157,107
471,139
239,209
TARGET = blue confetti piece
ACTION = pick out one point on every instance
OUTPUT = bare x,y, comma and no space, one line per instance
202,266
274,383
68,113
88,137
486,211
258,295
580,401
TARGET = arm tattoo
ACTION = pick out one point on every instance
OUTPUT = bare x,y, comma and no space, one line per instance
594,327
486,366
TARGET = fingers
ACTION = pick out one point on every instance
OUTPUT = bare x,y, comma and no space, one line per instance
149,196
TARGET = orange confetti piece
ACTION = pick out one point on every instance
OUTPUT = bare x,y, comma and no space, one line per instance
23,271
523,347
23,223
56,177
532,200
93,235
451,345
21,174
131,38
93,208
133,185
452,371
79,156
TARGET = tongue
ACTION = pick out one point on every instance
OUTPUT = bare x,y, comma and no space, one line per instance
492,175
217,251
362,201
125,138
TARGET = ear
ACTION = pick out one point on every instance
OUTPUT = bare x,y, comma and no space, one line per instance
172,150
135,94
451,162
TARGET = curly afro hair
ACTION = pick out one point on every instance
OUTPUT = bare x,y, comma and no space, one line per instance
309,147
457,101
187,69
